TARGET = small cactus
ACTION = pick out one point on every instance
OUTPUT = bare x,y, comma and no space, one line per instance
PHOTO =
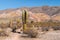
11,23
18,23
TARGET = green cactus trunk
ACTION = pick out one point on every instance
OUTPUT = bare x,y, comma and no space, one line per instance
24,19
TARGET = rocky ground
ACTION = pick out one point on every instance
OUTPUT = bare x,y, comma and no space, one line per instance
50,35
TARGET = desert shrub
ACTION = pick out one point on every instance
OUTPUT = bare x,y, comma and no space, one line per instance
33,33
56,27
3,25
45,28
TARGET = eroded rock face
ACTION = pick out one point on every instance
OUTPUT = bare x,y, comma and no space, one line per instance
56,17
43,13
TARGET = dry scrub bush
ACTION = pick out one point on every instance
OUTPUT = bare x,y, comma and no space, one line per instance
50,24
56,27
3,25
3,32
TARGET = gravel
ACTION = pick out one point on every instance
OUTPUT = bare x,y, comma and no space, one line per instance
50,35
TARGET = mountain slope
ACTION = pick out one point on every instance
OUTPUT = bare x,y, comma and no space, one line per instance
43,13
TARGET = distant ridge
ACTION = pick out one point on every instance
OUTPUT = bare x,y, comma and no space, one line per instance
42,13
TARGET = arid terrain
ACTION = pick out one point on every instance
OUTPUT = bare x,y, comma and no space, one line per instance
43,13
46,19
51,35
